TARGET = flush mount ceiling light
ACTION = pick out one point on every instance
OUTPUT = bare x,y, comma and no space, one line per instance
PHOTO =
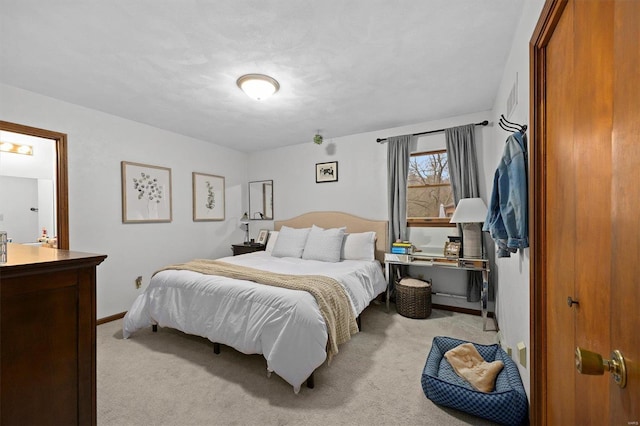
258,86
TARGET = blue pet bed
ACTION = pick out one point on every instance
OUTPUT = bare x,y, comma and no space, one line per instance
507,404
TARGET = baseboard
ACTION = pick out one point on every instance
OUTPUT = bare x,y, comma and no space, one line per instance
461,310
434,306
110,318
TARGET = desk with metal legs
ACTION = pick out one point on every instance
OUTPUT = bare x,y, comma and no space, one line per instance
468,264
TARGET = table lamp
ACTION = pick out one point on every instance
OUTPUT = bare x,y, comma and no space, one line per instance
470,212
245,221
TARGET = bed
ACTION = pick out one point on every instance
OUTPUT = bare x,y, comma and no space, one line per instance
289,327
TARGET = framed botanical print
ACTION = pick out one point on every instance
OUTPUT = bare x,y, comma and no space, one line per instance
208,197
146,193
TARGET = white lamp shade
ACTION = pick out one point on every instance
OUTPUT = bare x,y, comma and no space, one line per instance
258,86
470,210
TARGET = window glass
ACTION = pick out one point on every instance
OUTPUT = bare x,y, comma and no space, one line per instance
429,193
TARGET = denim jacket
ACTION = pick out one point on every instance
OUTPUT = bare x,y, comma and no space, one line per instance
507,219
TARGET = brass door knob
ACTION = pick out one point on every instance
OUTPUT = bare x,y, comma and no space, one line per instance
591,363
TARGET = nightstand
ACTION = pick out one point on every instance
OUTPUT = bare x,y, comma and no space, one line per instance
246,248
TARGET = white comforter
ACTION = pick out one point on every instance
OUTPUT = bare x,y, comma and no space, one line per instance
284,325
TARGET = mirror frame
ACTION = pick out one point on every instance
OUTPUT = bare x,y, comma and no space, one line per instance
62,188
262,192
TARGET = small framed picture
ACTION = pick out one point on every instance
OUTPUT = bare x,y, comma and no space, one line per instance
327,172
452,249
263,236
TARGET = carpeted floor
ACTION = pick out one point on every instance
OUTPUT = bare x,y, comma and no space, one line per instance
169,378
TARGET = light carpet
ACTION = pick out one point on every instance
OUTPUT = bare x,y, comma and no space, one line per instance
170,378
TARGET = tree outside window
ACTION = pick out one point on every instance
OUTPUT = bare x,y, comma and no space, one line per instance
429,195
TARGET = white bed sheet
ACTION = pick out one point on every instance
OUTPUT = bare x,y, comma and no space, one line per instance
284,325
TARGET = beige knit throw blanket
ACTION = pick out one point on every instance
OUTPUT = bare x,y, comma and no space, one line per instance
329,294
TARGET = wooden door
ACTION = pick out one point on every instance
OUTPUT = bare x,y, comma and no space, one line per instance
585,199
625,212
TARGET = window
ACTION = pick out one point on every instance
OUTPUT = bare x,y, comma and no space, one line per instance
429,193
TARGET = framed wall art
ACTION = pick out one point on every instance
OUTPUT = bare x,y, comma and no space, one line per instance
327,172
451,249
208,197
146,193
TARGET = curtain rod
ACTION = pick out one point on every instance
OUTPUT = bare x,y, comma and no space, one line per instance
483,123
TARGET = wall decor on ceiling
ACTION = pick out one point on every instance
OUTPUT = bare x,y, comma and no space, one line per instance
327,172
146,193
208,197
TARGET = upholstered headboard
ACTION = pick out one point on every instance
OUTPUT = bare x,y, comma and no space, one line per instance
338,219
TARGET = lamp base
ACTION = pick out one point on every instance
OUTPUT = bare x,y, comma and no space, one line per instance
471,240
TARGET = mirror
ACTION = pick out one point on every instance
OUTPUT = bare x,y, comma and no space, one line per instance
26,207
261,200
33,188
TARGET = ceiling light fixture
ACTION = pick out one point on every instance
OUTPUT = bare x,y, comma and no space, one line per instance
258,86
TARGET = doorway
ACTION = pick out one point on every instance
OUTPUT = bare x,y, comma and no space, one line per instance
62,192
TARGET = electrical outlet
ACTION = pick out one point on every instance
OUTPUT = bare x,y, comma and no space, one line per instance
522,353
1,217
509,351
139,282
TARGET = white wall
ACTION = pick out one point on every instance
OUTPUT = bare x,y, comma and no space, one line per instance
361,188
512,298
97,143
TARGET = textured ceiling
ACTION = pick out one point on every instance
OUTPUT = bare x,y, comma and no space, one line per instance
344,67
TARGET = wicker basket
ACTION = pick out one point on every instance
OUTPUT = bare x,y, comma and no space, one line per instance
413,298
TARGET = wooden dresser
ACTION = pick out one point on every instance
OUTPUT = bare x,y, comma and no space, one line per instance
48,336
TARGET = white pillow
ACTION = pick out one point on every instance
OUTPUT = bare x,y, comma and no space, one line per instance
271,241
359,246
290,242
324,244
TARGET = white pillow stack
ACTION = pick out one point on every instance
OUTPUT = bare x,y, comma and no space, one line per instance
324,244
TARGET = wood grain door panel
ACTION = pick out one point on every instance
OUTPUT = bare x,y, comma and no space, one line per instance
560,229
625,272
586,208
593,110
55,373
